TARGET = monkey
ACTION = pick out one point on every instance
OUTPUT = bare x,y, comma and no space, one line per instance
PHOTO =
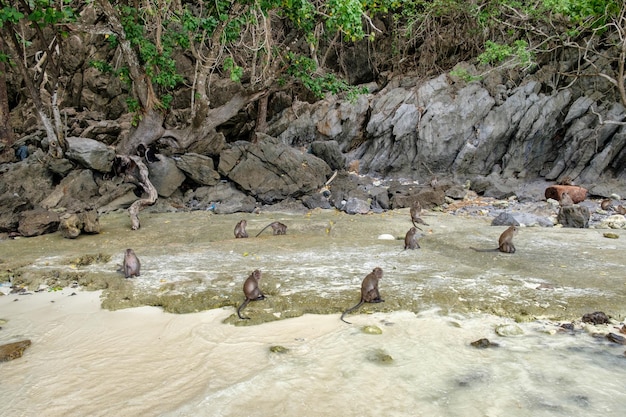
277,229
369,291
131,265
620,210
505,242
240,229
566,200
416,210
251,291
606,204
410,240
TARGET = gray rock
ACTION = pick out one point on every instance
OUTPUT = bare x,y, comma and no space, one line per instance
356,206
75,192
505,219
574,216
90,153
316,200
223,198
11,205
60,166
38,222
165,175
272,171
199,168
330,153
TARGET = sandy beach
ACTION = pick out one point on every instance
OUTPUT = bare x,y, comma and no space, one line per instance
87,361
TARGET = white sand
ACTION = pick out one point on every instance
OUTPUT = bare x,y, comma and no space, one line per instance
87,361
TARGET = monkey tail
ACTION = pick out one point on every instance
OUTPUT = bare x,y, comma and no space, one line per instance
257,235
415,224
350,310
241,307
484,250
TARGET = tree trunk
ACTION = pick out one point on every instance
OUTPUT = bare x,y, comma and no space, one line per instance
143,180
149,129
6,132
261,117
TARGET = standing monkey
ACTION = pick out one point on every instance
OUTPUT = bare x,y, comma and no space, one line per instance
505,242
410,240
131,264
369,291
416,211
240,229
277,229
252,291
566,200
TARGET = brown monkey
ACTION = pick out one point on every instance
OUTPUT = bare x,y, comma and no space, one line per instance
566,200
251,291
606,204
416,211
131,264
277,229
505,243
240,229
410,240
369,291
620,210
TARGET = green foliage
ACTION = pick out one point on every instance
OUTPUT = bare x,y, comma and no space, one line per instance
496,53
304,70
10,15
463,74
236,72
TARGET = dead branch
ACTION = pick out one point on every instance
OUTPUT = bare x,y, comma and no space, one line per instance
140,177
607,122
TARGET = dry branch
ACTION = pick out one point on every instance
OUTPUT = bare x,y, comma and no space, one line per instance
140,177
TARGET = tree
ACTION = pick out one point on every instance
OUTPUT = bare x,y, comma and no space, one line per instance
40,22
266,45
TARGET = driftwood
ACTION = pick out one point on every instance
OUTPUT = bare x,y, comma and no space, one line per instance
135,171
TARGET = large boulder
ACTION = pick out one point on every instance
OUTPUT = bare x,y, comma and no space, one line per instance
223,198
90,153
199,168
11,205
38,222
273,171
75,192
574,216
73,224
165,176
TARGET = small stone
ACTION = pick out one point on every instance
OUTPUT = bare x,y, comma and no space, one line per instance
278,349
615,338
371,330
379,356
14,350
483,343
596,318
611,235
508,330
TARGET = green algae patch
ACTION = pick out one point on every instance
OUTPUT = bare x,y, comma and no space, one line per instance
89,259
371,330
279,349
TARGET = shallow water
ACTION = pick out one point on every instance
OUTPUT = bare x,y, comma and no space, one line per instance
191,262
141,361
144,362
